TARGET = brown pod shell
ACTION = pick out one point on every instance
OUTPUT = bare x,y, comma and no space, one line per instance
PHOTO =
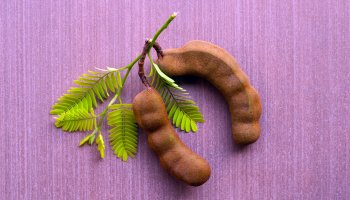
213,63
182,163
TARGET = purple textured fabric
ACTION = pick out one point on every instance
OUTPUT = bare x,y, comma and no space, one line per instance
296,53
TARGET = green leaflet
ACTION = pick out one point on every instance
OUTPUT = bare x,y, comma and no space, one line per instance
123,133
100,144
99,141
183,112
87,139
76,119
89,87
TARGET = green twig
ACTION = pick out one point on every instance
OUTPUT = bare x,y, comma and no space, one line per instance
165,25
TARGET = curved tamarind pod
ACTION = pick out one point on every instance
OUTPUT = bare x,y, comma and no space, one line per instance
206,60
150,113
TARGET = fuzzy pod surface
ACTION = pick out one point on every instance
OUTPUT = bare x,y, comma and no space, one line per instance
175,157
213,63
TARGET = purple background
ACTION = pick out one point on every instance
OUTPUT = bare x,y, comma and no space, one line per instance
296,53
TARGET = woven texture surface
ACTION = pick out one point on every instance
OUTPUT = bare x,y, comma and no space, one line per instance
296,53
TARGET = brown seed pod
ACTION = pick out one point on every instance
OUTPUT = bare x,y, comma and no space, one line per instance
150,113
206,60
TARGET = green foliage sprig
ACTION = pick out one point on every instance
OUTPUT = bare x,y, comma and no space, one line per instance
90,86
75,109
77,119
123,135
182,110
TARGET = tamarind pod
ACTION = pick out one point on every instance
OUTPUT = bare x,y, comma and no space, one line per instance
175,157
206,60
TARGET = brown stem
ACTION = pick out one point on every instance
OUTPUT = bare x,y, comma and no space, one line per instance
158,49
141,64
160,54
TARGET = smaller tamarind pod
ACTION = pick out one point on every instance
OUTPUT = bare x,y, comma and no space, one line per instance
175,157
211,62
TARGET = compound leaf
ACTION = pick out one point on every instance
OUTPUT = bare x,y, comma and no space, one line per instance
123,134
94,84
182,110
